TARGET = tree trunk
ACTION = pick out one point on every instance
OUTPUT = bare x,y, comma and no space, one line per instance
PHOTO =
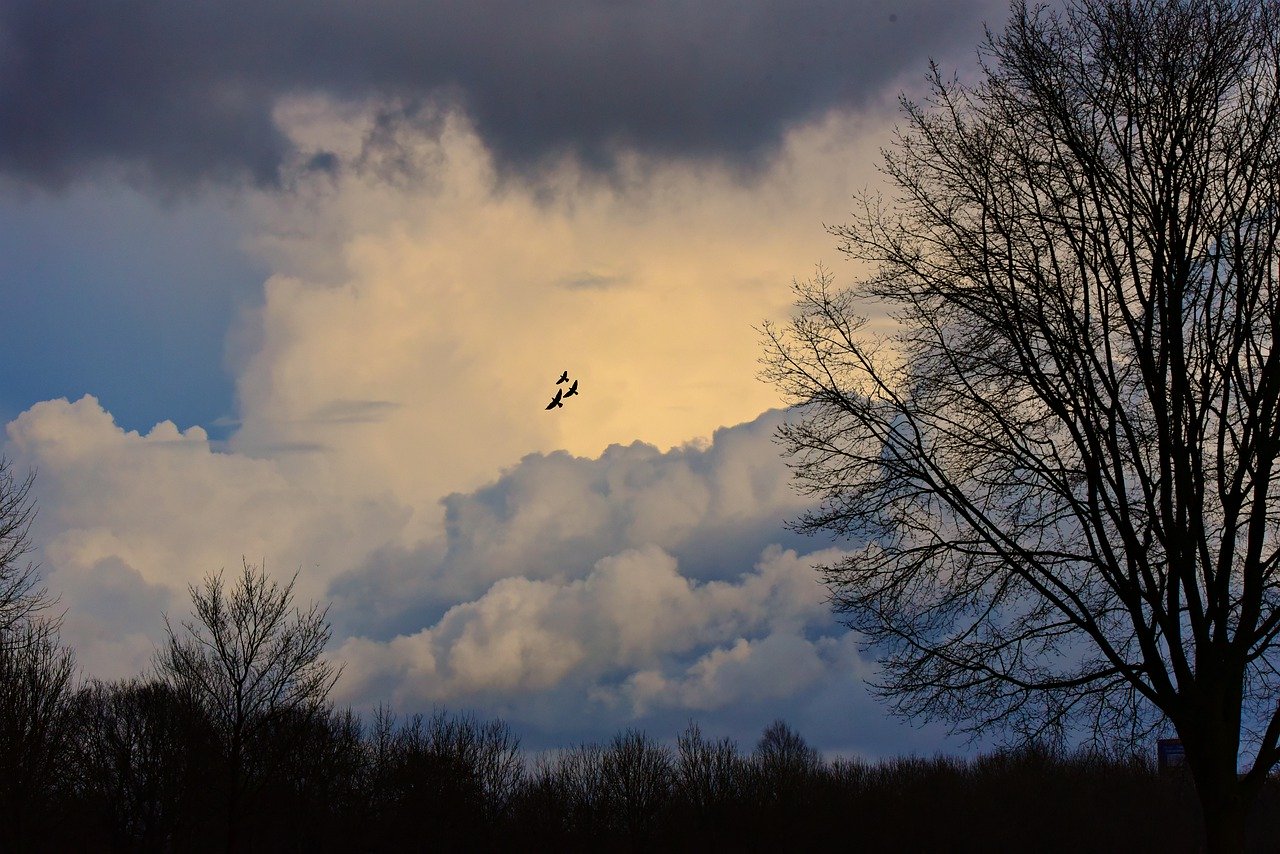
233,794
1224,814
1213,754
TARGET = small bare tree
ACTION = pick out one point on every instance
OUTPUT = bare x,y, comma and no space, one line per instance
1062,470
785,763
35,700
708,773
248,656
637,776
35,672
20,597
140,755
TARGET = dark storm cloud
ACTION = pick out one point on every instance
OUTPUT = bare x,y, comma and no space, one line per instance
186,89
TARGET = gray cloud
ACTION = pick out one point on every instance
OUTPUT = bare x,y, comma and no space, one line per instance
185,91
574,596
571,596
594,282
714,509
354,411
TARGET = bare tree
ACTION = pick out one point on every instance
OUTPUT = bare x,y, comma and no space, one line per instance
20,597
248,657
637,776
35,673
786,764
35,702
708,773
1060,464
455,771
140,759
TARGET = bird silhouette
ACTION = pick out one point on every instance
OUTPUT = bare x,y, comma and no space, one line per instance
573,389
564,378
555,401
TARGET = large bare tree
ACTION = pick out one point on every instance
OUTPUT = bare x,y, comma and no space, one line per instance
1060,459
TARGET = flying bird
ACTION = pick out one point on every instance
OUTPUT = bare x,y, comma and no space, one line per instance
564,378
555,401
573,389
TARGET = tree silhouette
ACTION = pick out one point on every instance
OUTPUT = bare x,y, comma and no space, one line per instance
311,783
785,762
35,674
636,776
708,773
141,763
1061,462
35,695
246,659
20,598
456,772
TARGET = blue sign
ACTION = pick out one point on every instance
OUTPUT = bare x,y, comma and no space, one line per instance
1170,754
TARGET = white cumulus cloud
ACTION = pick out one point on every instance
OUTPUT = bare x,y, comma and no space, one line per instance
632,612
622,559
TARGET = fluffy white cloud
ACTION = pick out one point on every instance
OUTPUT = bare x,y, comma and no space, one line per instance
773,668
633,611
556,597
413,329
128,520
714,506
561,607
393,448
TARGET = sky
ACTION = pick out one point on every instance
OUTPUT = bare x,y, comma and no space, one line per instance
291,282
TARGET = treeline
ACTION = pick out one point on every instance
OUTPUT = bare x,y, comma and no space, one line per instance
133,766
231,743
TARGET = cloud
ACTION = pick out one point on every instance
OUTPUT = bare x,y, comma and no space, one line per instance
111,610
402,352
354,411
572,596
127,520
589,281
621,560
447,304
560,575
581,594
186,92
773,668
712,506
632,611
